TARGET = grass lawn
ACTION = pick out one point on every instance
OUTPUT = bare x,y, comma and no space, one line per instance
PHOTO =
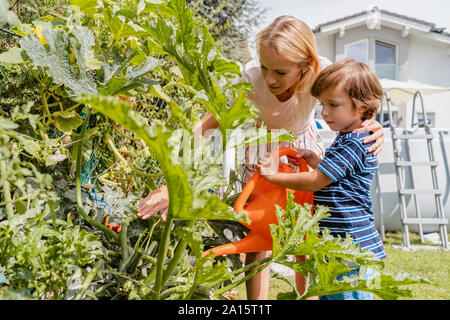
431,264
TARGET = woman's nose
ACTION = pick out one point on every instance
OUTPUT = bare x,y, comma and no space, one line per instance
270,80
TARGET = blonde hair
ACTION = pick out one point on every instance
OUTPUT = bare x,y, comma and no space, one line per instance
294,40
358,81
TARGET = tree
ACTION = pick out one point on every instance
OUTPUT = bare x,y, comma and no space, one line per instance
230,23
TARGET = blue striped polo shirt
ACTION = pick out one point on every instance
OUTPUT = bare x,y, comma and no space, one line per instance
351,167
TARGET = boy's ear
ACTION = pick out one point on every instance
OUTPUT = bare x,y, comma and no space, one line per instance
361,112
358,108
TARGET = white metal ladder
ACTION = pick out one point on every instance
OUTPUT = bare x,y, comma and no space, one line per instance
402,164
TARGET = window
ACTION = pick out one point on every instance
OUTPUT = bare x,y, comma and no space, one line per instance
357,50
385,60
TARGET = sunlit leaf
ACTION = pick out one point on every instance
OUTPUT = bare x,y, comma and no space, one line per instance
67,121
13,55
57,59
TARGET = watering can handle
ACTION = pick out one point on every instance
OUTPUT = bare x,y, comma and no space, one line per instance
250,186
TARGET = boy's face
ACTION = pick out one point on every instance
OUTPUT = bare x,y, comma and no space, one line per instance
338,110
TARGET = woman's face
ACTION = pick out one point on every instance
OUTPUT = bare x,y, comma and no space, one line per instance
279,73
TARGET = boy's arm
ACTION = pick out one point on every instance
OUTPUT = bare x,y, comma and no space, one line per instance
305,181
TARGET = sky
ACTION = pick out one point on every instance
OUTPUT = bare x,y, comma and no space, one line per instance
316,12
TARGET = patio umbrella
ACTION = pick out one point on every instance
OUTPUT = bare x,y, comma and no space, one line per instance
402,91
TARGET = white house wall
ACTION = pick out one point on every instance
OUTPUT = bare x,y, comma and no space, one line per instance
437,104
326,47
418,58
387,35
429,61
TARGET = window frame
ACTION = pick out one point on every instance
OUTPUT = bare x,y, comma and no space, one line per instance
387,44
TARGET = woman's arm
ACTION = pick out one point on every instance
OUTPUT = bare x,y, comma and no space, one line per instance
377,136
207,122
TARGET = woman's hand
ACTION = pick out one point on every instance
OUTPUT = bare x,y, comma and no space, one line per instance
155,201
377,136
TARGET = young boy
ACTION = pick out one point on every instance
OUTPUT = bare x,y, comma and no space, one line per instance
349,93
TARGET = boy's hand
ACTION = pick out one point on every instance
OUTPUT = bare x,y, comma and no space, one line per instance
311,158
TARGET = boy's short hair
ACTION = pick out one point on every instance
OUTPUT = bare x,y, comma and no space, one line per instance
359,82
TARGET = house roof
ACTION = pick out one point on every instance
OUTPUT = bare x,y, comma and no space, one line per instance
431,26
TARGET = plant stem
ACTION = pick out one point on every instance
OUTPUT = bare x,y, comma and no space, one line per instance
149,237
168,292
25,197
151,248
177,255
123,134
79,161
53,104
124,240
89,279
125,162
44,101
134,260
150,259
162,253
264,263
104,180
73,107
192,288
104,287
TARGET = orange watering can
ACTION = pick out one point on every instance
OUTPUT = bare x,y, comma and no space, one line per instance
261,209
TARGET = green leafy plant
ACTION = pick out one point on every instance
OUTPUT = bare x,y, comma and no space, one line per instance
298,233
41,256
72,50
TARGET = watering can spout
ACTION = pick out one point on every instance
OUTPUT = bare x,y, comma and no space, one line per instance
253,242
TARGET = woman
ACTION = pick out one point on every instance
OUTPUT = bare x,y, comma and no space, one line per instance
282,79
